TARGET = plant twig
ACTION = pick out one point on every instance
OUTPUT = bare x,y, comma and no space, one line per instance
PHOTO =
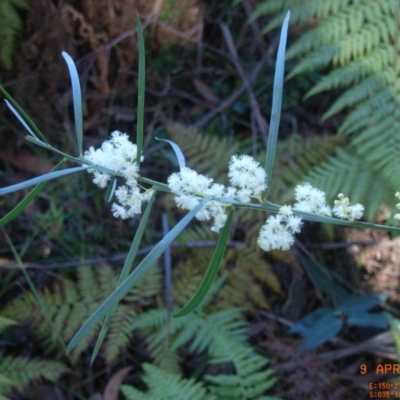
255,27
116,257
255,108
199,125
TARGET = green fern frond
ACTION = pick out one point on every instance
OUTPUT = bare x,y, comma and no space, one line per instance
131,393
70,304
296,157
358,41
246,280
352,73
242,290
167,359
366,89
6,322
19,371
250,380
202,330
119,333
347,172
167,386
152,319
220,335
300,12
11,27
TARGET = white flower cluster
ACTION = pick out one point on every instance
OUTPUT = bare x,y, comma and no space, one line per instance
247,179
245,174
190,188
278,231
344,210
311,200
248,176
119,154
397,216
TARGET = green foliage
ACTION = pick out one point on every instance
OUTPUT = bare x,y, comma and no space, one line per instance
11,27
5,323
220,337
68,305
17,372
358,42
347,172
251,379
244,269
325,322
167,386
247,272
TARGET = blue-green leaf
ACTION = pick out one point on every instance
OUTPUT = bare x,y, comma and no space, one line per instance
211,271
124,273
310,319
22,115
276,100
40,179
134,277
318,326
355,305
376,320
16,113
111,189
178,152
77,99
322,330
21,206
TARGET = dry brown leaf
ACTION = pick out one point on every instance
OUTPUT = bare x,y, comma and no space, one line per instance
28,163
205,91
112,389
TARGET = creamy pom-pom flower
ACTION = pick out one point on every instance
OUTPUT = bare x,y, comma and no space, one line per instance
311,200
357,211
130,201
190,188
116,154
274,235
189,182
294,223
119,154
278,231
248,175
245,174
101,179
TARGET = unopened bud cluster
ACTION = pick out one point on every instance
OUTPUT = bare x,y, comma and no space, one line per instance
344,210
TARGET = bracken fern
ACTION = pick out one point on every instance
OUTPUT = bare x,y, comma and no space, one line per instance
11,27
17,372
221,337
69,304
358,42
